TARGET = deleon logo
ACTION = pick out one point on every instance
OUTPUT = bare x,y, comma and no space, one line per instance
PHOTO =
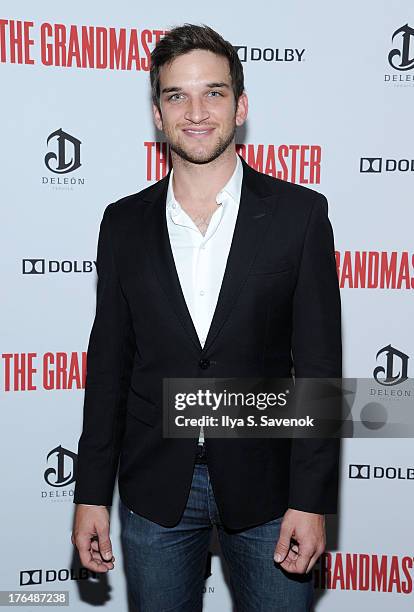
66,157
64,471
402,58
392,356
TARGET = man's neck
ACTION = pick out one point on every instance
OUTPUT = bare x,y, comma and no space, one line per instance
202,182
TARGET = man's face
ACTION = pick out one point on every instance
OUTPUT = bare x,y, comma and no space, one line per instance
198,112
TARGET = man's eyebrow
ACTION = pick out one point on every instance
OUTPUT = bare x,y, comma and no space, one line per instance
170,89
175,88
216,85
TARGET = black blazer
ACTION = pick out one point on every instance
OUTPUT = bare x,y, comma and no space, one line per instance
279,298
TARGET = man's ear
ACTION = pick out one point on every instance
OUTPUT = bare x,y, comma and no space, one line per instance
157,117
242,109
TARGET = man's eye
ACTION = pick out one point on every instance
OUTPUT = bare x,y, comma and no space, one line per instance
214,94
175,97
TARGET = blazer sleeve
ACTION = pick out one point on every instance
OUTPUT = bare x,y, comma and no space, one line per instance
110,354
316,353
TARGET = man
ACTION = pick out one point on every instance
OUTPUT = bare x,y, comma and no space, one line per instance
214,271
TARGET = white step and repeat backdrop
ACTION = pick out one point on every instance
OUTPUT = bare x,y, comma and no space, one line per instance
331,89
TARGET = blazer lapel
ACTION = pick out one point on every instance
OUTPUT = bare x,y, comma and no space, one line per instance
253,220
161,256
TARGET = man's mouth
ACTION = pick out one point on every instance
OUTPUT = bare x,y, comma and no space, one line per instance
194,132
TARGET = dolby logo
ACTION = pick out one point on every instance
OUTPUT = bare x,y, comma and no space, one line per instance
54,266
361,471
376,165
365,471
40,576
268,54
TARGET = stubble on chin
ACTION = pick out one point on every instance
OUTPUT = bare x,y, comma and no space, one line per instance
204,157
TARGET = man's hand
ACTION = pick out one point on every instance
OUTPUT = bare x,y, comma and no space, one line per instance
91,537
309,540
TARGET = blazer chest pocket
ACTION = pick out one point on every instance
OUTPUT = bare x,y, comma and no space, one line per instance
271,267
142,409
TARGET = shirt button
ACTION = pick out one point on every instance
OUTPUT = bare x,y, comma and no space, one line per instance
204,364
203,246
202,292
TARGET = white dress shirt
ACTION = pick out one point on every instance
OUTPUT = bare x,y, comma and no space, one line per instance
201,260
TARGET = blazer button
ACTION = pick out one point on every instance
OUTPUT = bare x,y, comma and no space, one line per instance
204,363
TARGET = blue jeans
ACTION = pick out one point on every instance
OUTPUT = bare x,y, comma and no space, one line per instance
165,566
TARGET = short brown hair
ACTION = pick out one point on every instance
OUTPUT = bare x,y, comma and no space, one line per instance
186,38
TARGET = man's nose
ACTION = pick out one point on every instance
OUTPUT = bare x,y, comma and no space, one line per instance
196,111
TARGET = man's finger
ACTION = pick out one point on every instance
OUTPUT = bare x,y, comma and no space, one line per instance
283,543
95,549
95,545
299,564
289,563
314,559
86,559
96,556
311,563
105,546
